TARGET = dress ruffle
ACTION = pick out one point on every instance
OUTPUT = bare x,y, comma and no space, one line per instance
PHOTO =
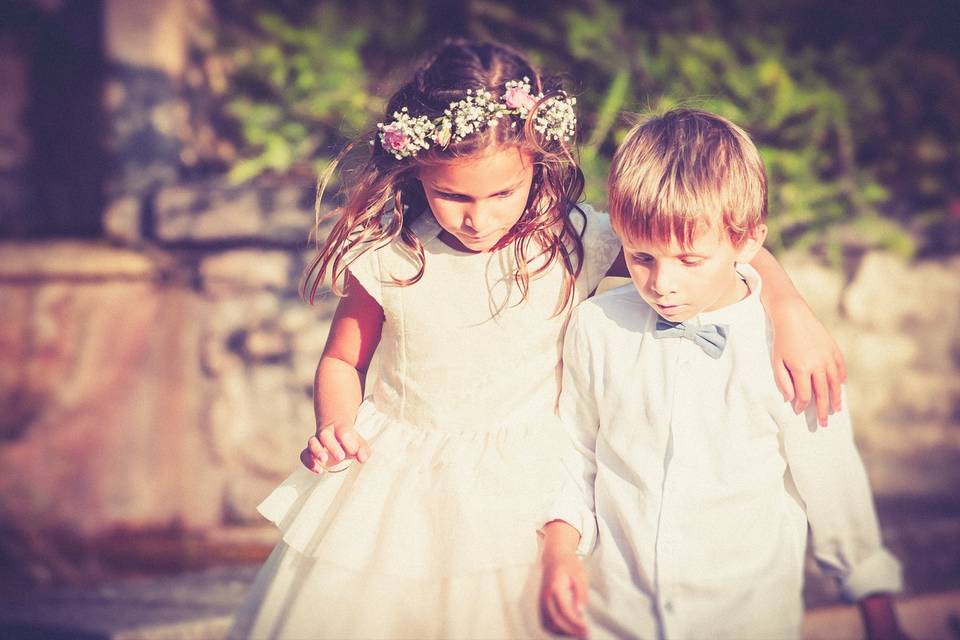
428,504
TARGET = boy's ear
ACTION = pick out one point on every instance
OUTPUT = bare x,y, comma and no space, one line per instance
752,244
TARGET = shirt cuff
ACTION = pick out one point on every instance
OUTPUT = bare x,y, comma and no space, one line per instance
579,518
879,573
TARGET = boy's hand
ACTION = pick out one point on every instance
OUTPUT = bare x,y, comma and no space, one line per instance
563,595
880,618
332,446
807,363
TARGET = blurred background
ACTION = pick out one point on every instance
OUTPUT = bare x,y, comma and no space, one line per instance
157,179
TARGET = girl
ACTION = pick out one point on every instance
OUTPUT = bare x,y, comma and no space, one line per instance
461,250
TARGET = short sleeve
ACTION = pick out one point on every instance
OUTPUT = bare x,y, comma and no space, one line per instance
366,269
600,247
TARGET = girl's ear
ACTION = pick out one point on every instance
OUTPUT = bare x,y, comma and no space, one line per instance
752,244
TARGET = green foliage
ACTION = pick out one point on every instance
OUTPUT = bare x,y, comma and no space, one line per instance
301,90
861,144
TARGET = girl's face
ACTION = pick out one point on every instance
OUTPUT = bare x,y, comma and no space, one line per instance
478,199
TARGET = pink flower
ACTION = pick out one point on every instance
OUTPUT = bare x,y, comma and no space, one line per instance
394,138
519,98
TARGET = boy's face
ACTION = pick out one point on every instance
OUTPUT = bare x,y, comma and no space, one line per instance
681,282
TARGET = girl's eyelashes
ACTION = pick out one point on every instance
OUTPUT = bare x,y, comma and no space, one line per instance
691,261
451,196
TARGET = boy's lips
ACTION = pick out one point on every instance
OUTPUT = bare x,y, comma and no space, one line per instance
669,309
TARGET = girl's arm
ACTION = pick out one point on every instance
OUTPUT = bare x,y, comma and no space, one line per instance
806,360
805,357
338,386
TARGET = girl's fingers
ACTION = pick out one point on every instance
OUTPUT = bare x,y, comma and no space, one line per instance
841,365
802,390
822,392
835,384
350,441
313,444
784,381
309,461
329,440
354,445
364,451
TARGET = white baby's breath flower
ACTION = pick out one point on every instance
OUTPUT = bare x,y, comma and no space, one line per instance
406,135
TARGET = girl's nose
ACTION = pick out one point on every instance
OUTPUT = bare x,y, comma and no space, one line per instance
473,217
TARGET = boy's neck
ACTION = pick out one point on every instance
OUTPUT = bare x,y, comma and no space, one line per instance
738,291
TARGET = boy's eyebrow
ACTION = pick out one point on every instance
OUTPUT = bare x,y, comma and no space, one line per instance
438,187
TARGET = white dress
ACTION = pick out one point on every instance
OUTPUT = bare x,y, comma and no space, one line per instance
435,536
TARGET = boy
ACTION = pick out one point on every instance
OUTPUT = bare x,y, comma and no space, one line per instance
694,480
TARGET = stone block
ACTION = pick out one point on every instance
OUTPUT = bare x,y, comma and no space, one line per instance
820,285
216,211
112,436
121,220
225,273
889,293
198,213
74,259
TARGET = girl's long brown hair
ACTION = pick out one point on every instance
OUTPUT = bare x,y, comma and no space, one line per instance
387,198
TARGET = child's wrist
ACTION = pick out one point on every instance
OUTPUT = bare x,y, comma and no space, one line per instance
560,541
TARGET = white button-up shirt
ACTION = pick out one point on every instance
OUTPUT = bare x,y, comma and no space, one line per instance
693,481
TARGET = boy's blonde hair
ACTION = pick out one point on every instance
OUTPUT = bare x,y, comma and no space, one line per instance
685,171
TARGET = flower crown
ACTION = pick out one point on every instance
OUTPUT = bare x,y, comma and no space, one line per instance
406,135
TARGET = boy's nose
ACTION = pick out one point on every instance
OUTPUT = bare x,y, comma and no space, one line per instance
663,281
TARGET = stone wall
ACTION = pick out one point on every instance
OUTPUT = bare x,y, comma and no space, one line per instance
159,379
153,389
172,387
897,324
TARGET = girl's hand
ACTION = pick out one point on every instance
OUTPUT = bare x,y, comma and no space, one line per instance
563,596
332,446
806,361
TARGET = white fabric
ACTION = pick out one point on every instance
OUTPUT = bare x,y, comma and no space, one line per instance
703,479
435,536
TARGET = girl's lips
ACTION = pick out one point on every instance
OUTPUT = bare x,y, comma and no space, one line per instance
481,238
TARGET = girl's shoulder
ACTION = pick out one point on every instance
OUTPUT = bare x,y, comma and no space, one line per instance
600,244
377,262
594,228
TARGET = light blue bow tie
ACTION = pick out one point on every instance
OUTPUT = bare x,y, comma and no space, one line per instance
712,338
